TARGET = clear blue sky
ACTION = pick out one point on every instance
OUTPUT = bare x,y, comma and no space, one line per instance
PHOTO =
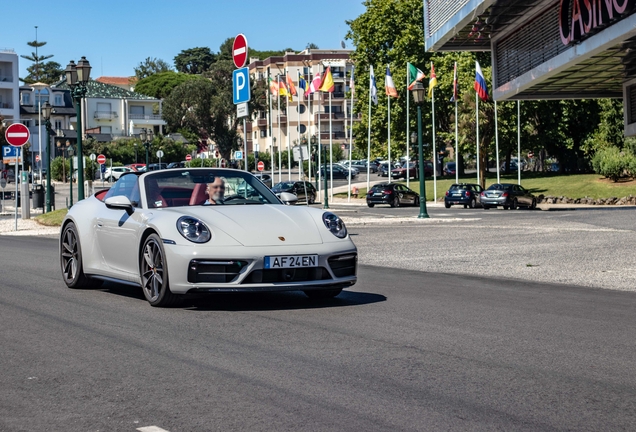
115,36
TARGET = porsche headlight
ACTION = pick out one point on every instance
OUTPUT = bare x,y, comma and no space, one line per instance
193,229
335,225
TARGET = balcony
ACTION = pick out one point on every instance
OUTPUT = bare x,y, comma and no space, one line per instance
283,119
105,115
337,135
261,122
338,95
6,106
144,116
6,78
323,116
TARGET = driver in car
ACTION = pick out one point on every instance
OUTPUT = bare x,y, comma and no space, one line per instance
215,191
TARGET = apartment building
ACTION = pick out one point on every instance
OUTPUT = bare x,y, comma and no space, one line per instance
304,117
9,85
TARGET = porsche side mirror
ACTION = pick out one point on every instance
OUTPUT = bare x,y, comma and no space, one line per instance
288,198
119,202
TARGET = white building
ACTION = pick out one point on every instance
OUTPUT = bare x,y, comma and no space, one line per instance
9,85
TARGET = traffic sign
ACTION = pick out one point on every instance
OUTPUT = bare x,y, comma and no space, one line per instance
239,50
241,110
238,155
37,158
160,153
101,159
92,156
241,85
11,154
17,134
102,168
222,163
261,166
188,157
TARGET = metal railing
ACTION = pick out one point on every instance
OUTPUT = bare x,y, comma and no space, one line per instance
6,78
145,116
105,115
6,105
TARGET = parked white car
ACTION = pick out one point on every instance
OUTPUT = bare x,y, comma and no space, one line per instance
113,174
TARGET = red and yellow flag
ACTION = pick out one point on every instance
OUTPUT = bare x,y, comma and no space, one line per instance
327,82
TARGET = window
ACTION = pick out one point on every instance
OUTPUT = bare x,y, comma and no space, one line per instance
103,107
58,100
58,124
263,133
301,109
26,98
106,129
302,128
136,110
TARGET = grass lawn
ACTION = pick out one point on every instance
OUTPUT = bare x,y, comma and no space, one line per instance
571,186
53,218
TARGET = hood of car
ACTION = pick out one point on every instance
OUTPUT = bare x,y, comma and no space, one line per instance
260,225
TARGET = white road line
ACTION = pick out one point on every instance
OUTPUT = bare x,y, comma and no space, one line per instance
151,429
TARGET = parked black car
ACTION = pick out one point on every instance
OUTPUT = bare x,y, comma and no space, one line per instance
176,165
466,194
508,195
339,172
361,165
394,194
304,190
156,166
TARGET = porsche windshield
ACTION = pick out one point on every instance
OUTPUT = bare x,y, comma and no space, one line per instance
204,186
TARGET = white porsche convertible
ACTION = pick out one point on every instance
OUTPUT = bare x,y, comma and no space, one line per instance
190,231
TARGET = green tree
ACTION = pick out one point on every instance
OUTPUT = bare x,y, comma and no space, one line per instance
49,72
194,60
160,85
151,66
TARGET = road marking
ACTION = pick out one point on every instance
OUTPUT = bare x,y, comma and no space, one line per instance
151,429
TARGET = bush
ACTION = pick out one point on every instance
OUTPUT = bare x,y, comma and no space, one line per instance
611,163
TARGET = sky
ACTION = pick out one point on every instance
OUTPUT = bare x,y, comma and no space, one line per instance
115,36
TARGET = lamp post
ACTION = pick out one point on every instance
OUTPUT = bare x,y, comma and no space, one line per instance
326,204
313,152
70,156
146,136
135,144
77,77
46,113
418,95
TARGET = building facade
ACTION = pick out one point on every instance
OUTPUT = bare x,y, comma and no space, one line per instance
9,85
303,117
545,49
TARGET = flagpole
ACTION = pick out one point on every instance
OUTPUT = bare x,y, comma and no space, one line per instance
350,135
389,138
369,137
331,151
518,141
456,133
280,143
289,159
477,124
320,170
300,144
408,124
308,123
497,142
434,148
271,134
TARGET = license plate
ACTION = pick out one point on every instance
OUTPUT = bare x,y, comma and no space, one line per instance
457,194
290,261
377,194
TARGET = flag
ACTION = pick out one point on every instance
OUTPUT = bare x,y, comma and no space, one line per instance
372,87
455,96
351,83
388,84
480,83
302,83
432,82
291,87
327,84
415,75
315,84
273,87
282,91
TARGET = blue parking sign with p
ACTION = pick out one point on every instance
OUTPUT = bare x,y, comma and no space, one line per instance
241,85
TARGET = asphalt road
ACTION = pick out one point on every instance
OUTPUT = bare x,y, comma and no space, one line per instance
403,350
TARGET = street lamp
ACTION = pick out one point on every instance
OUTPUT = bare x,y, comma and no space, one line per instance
418,95
313,151
146,136
70,157
77,77
135,144
46,113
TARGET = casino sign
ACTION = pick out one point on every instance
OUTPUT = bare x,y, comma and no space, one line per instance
579,19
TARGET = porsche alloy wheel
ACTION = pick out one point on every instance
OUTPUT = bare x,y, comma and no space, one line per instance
71,258
396,202
154,273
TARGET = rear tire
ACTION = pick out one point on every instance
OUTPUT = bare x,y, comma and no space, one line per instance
533,205
465,205
486,207
71,258
506,207
396,202
416,202
472,204
447,205
322,294
515,205
312,199
370,205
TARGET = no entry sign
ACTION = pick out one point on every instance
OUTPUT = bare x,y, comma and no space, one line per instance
17,134
101,159
239,50
261,166
188,157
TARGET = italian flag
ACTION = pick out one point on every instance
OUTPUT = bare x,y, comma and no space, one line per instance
415,75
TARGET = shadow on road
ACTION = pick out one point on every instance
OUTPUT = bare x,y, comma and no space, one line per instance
288,300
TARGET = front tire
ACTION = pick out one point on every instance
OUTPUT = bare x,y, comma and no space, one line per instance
396,202
515,205
370,205
312,199
533,205
416,202
322,294
154,273
71,258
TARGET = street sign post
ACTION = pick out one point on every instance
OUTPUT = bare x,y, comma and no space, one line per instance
160,155
238,155
241,85
17,134
261,166
239,50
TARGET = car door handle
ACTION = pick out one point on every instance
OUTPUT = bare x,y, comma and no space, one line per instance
100,224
